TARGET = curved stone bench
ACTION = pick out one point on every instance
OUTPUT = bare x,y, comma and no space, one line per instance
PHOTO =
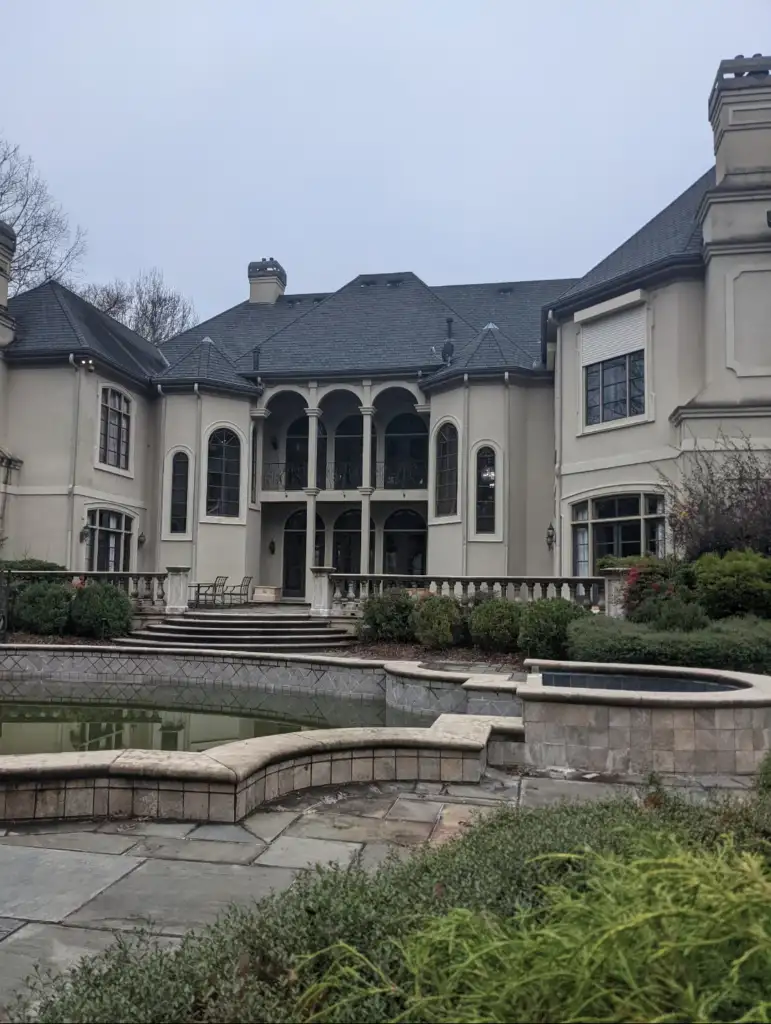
226,783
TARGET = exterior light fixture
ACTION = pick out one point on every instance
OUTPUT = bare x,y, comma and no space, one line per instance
550,536
84,535
272,547
141,539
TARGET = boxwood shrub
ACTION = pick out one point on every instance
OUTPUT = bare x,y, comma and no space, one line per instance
42,608
388,616
101,610
739,583
438,622
494,625
543,633
740,644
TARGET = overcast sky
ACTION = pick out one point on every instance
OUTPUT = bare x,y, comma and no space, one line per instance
466,140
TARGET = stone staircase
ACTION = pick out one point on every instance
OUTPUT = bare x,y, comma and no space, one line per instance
241,631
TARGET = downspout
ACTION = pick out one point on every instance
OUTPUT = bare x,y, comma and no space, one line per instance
71,558
559,414
505,473
464,496
159,492
197,482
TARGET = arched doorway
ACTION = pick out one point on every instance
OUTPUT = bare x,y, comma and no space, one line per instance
406,452
346,543
405,540
297,454
349,438
294,551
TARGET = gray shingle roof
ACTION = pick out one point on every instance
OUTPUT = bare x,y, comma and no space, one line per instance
206,363
672,236
53,321
491,350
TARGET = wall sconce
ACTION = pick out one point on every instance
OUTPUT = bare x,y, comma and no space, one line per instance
272,547
550,536
84,535
274,443
141,539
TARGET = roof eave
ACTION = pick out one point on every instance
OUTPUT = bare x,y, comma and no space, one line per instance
44,358
179,386
519,374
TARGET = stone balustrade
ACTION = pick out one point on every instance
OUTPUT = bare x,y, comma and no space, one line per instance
162,592
343,594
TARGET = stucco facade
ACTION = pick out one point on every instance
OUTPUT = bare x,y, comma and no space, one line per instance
479,430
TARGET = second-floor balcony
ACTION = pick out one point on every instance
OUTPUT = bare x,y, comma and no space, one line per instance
393,475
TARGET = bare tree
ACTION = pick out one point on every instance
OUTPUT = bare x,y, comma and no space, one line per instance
147,305
721,499
46,246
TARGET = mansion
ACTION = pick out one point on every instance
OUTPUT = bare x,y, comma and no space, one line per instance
391,426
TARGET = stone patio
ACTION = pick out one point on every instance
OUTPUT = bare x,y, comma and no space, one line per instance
67,887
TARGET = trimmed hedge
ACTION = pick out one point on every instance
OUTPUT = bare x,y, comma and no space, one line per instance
438,622
741,644
494,625
543,633
739,583
388,617
43,608
101,610
257,964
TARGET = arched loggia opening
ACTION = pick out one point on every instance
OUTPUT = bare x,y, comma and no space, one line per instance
405,540
346,543
297,454
406,452
295,530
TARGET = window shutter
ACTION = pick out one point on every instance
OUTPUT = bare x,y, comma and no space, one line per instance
614,335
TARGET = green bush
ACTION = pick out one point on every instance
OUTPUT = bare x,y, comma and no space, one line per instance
741,645
101,610
672,612
437,622
739,583
388,617
253,964
42,608
494,625
30,565
543,633
669,934
653,579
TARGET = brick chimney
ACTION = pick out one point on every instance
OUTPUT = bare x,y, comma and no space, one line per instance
267,281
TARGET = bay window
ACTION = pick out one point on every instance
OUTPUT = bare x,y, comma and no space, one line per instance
616,526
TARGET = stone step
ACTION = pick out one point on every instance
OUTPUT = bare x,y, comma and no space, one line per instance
183,628
251,638
243,621
259,646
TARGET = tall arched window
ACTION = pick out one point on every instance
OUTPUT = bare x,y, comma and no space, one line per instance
223,474
180,472
447,470
485,480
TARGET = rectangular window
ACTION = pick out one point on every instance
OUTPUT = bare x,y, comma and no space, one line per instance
620,525
108,541
114,429
614,389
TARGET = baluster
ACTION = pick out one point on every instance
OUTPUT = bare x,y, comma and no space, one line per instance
160,593
337,596
530,585
572,596
364,590
133,586
350,593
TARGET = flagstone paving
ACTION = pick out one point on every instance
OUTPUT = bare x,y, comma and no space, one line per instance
66,888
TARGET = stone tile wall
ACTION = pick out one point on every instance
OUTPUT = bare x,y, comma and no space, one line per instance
638,740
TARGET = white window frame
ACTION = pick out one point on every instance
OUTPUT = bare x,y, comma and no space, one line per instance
243,488
168,463
106,506
604,310
132,415
635,491
433,518
496,537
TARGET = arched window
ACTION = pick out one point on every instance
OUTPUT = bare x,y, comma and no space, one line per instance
447,470
404,543
349,439
485,479
346,543
180,472
223,475
295,551
406,452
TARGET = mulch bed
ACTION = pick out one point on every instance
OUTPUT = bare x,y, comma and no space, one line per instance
35,638
414,652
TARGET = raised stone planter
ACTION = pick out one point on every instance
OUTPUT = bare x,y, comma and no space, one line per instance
266,595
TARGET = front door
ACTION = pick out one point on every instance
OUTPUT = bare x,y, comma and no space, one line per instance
294,563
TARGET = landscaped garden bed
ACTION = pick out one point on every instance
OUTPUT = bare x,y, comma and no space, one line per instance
627,910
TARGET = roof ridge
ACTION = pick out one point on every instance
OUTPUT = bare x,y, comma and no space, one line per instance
68,313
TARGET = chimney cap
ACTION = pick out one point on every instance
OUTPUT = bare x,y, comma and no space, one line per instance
267,268
7,236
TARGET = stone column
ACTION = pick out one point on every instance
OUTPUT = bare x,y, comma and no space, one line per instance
313,448
366,497
177,583
615,581
367,413
310,538
258,420
321,601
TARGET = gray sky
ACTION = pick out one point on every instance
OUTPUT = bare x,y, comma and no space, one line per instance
466,140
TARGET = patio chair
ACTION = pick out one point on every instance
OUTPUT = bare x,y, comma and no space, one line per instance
238,594
210,593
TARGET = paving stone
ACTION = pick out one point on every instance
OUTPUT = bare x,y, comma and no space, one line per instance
35,828
266,825
414,810
203,850
166,829
53,947
374,855
84,842
294,852
222,834
349,828
8,925
178,895
547,792
47,885
367,806
429,788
